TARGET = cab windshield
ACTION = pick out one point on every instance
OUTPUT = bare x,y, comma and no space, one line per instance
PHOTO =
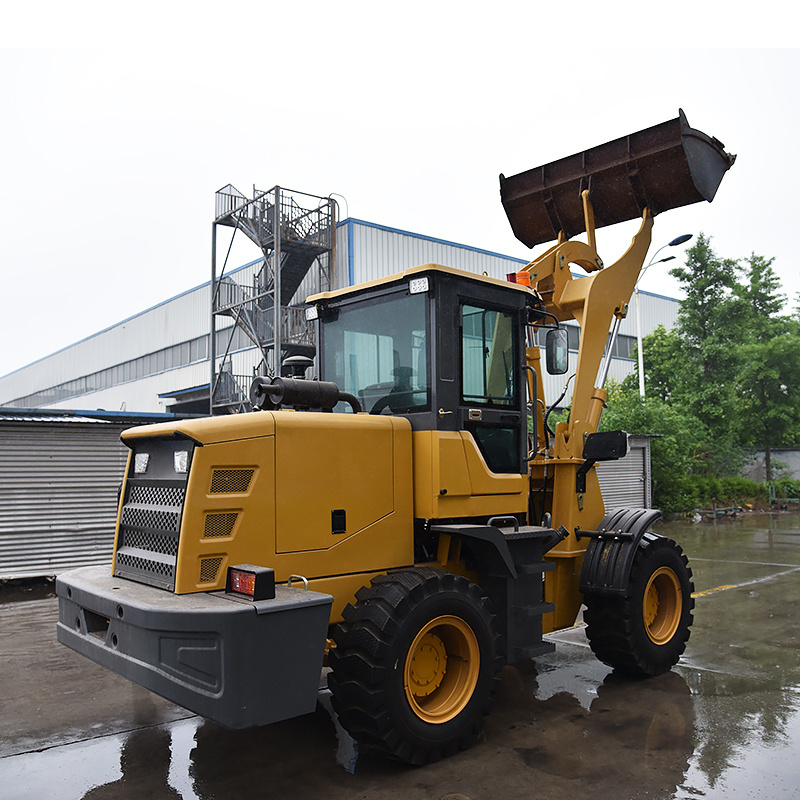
378,352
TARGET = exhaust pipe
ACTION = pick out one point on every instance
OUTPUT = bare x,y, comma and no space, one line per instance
660,168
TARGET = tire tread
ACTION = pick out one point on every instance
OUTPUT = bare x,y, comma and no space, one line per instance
614,626
363,660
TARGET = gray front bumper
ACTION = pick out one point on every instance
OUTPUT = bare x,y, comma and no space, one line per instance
233,661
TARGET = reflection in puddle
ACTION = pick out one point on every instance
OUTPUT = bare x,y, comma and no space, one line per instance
183,740
147,763
713,736
144,763
759,769
71,769
749,728
606,737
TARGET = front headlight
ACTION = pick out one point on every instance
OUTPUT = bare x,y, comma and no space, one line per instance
180,460
140,462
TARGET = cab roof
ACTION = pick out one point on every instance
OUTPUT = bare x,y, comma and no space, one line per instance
411,272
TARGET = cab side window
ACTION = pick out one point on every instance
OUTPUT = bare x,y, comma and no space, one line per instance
487,357
489,385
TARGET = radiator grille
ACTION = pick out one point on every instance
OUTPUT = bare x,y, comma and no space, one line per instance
150,521
231,481
150,518
151,541
145,565
209,567
156,495
217,525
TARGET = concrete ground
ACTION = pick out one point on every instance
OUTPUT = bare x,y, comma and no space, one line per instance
723,724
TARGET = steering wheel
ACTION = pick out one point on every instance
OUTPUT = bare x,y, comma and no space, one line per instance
381,403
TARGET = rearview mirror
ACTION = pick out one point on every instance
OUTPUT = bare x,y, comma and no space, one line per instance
607,446
557,351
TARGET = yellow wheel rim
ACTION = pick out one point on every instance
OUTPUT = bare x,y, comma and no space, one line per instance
662,605
441,669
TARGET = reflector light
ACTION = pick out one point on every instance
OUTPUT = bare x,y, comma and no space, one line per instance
257,583
243,582
180,460
312,312
140,462
418,285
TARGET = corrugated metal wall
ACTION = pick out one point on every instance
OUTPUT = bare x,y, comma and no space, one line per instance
365,251
626,482
176,320
58,493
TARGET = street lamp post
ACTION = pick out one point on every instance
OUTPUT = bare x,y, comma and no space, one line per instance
676,241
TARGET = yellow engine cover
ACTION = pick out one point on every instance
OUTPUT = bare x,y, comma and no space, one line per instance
343,463
312,494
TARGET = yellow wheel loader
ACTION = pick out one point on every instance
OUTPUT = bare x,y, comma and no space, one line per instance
406,519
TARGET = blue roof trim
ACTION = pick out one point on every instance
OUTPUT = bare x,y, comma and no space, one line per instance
659,296
352,220
83,415
179,392
127,414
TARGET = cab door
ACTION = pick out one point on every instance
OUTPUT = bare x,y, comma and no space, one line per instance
490,405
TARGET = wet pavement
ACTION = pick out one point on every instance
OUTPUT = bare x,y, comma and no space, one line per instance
725,723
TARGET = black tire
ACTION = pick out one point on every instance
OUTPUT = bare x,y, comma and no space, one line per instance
645,632
415,664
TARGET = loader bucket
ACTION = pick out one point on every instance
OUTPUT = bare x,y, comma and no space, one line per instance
663,167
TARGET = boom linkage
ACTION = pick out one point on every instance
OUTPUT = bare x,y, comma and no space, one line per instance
594,301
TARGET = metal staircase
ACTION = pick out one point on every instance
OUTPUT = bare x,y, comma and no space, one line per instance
296,235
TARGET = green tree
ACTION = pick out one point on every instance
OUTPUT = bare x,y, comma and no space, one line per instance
709,327
665,364
767,405
768,410
760,294
724,378
730,364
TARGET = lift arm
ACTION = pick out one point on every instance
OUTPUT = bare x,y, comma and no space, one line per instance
592,301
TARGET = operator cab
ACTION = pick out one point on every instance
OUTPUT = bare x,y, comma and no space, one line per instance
442,347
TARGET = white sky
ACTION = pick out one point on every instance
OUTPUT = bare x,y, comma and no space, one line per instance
118,129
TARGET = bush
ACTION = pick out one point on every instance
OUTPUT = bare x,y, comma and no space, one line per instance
689,465
786,487
728,491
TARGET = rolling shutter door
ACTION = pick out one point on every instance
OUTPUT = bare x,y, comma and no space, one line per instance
625,482
58,495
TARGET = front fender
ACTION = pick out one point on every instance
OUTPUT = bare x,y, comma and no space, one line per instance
609,557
